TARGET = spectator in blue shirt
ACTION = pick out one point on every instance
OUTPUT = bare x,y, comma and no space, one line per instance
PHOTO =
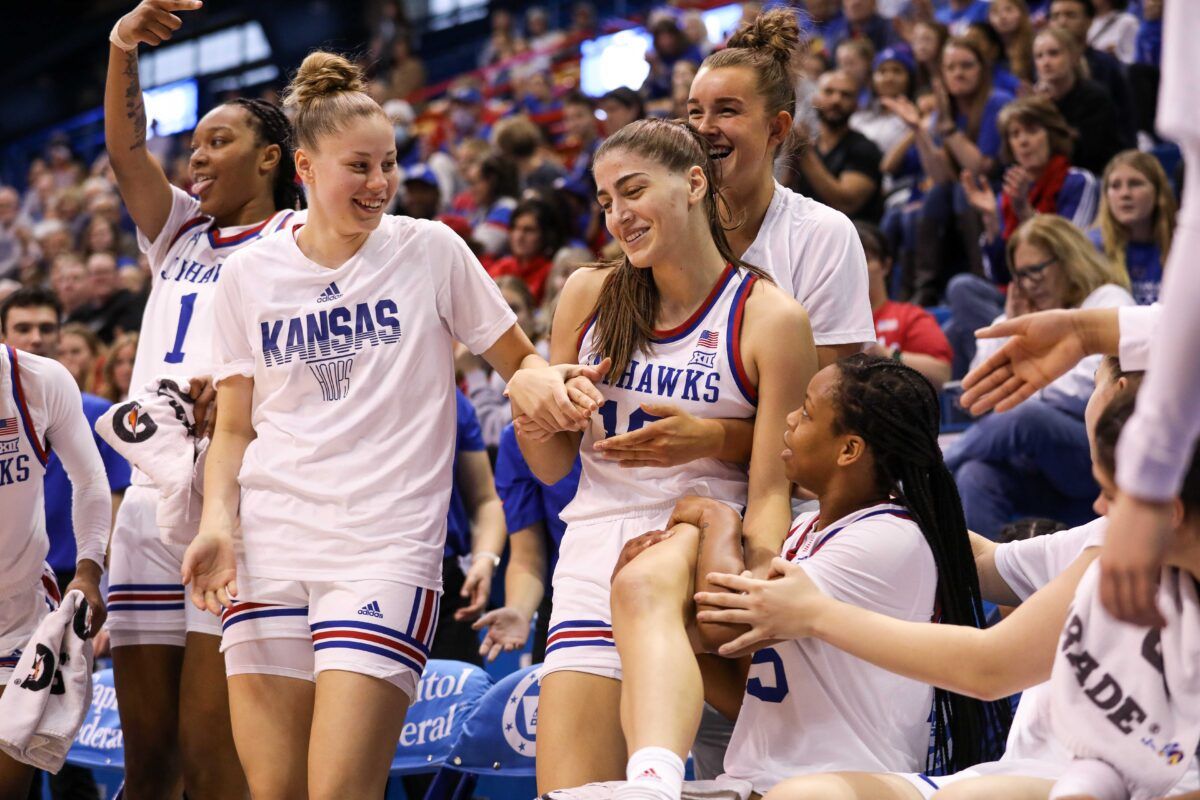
1136,221
531,512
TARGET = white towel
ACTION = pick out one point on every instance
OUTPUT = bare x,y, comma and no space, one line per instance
50,690
1129,696
155,431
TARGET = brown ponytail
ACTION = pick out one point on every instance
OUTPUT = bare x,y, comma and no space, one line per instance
626,310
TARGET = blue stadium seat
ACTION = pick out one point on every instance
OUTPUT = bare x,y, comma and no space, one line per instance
447,697
498,739
99,745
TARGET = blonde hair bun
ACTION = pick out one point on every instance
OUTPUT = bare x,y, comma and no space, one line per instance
775,31
322,74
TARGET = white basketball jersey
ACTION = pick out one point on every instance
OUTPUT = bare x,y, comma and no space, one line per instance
354,408
696,366
810,707
23,456
185,264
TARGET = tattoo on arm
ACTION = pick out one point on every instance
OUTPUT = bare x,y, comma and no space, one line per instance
135,110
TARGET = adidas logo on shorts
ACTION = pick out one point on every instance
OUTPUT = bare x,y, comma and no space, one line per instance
371,609
331,293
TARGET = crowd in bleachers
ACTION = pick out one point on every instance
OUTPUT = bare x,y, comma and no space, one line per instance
998,157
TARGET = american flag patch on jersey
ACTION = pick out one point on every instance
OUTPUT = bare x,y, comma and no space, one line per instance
8,427
709,339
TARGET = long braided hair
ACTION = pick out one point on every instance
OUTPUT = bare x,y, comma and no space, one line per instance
628,304
895,410
273,127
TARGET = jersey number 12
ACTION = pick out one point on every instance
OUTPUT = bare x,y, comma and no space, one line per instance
187,304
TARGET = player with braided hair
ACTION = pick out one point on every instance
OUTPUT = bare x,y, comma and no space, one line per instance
167,660
889,536
688,325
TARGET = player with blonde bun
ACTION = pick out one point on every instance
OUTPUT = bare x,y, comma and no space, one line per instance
329,473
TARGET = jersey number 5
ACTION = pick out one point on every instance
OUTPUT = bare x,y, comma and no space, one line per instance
187,304
778,688
608,415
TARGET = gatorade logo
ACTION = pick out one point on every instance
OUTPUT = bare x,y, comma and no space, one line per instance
131,425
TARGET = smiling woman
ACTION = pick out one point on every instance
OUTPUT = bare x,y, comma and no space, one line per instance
243,181
335,331
688,329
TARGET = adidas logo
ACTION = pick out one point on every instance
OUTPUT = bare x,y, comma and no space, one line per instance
332,292
371,609
649,773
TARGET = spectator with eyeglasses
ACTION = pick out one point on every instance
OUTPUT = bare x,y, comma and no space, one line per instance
1034,460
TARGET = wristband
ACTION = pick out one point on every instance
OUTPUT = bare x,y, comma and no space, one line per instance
120,43
493,557
897,353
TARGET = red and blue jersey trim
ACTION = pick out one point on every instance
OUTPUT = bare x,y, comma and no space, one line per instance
42,450
829,534
10,661
145,597
187,226
587,326
733,342
241,612
422,620
689,325
371,638
217,240
580,633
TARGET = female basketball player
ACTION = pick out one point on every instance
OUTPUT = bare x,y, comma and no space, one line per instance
685,322
1024,650
889,536
330,460
743,102
166,656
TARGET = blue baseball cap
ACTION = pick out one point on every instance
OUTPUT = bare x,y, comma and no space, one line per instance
900,53
422,173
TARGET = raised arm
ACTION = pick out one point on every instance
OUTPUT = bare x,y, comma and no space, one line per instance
140,178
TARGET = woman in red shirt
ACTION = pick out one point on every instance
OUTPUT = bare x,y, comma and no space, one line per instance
534,234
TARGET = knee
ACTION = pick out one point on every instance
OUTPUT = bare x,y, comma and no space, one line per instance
645,584
811,787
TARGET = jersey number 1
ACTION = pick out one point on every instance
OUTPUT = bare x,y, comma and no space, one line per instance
187,304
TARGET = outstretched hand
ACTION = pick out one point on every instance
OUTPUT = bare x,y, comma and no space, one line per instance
507,630
1042,347
210,568
153,21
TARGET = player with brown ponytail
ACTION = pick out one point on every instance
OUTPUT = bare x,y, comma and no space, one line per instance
685,325
743,103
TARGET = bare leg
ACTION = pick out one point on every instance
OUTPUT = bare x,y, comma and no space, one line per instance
1010,787
579,736
146,678
272,716
845,786
211,770
662,696
356,725
15,777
